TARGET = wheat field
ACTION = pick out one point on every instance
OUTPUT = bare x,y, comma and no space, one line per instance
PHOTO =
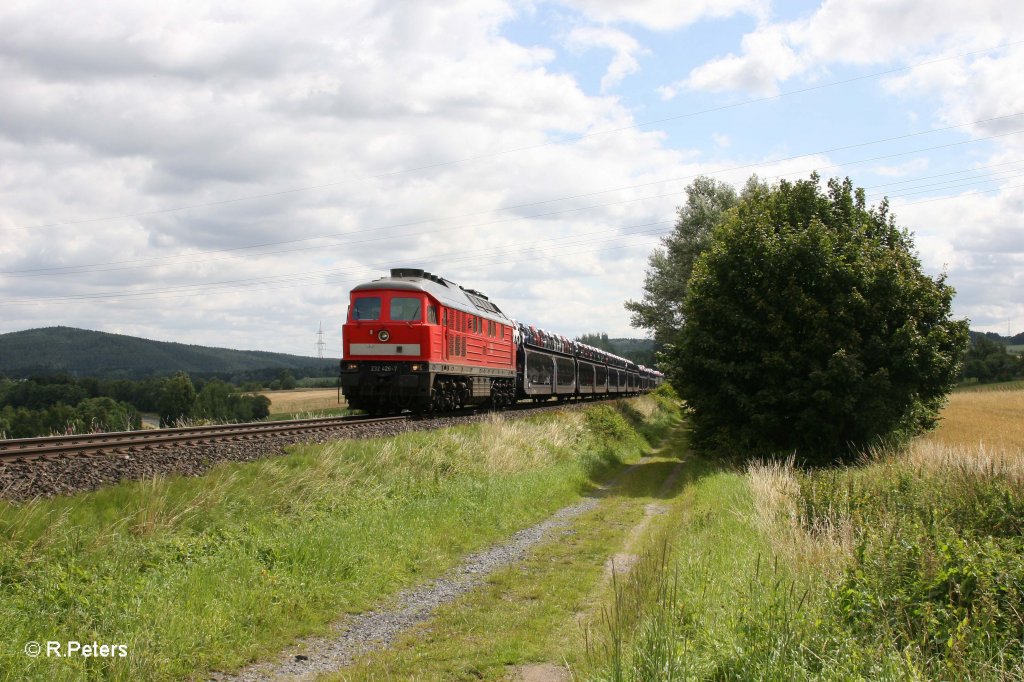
303,400
993,419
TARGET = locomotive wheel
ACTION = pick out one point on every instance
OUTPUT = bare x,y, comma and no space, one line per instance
438,397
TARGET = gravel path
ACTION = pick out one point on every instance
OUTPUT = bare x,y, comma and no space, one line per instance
20,481
377,629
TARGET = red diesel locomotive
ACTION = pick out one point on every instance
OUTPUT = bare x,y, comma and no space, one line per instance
420,342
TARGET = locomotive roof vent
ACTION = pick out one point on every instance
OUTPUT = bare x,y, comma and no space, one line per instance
399,273
475,293
435,278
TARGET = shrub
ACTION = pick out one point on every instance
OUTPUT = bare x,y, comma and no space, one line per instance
811,328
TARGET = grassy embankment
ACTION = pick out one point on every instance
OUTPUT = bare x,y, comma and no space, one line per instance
211,572
906,566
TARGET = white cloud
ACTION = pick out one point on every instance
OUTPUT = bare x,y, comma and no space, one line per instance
856,32
767,58
976,238
958,78
317,115
978,89
131,110
626,50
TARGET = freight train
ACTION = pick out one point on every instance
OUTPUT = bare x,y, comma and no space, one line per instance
416,341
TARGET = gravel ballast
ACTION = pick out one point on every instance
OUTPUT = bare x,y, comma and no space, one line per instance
66,475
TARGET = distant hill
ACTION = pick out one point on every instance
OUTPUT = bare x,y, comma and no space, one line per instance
640,351
81,352
1014,344
1015,340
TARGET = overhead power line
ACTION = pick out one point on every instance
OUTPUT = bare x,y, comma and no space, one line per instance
306,277
569,139
77,269
323,277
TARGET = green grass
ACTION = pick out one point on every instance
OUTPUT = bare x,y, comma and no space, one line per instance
208,573
906,566
531,612
703,602
936,577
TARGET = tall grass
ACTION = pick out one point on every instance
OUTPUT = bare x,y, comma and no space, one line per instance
207,573
935,571
906,566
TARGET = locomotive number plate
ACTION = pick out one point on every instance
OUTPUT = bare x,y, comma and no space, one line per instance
383,368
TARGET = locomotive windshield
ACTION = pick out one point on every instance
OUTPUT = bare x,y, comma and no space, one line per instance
366,308
405,309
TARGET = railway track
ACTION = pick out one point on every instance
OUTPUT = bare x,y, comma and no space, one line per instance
64,465
25,449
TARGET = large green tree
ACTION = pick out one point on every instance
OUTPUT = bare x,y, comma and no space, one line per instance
811,328
669,267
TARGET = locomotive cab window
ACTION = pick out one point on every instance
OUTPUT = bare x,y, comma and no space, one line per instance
404,309
365,308
432,314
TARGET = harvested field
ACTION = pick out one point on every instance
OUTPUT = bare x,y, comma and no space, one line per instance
988,418
303,400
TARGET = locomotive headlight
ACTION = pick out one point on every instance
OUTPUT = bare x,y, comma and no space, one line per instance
349,366
417,367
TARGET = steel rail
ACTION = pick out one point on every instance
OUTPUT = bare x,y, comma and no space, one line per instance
96,443
89,444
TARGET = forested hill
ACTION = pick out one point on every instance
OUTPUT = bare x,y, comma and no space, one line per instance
1015,340
640,351
81,352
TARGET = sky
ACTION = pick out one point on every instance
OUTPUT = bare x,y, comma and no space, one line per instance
224,173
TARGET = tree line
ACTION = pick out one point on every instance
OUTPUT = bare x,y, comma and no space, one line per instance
640,351
59,404
988,360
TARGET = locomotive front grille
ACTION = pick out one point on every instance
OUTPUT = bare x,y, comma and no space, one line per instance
384,349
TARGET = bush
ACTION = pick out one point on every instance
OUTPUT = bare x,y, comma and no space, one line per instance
811,328
105,414
219,401
177,399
